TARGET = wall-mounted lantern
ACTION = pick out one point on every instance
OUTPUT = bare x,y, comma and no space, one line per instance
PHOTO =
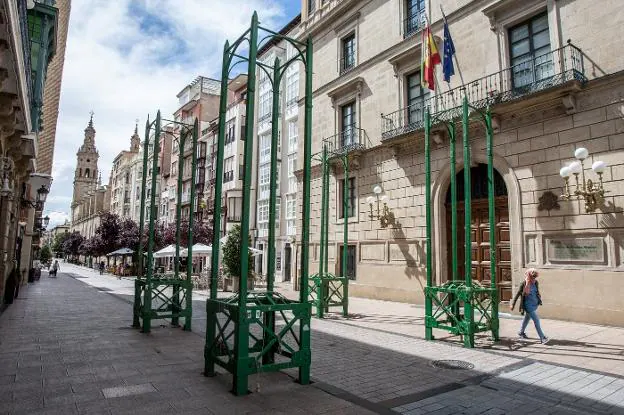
385,216
592,194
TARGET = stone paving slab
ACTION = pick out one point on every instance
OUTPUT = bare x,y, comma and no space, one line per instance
65,348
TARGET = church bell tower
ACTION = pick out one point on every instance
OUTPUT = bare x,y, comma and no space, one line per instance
86,174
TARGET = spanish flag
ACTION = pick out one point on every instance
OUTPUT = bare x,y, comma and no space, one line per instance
430,58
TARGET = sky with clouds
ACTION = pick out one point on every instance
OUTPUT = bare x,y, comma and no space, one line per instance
126,59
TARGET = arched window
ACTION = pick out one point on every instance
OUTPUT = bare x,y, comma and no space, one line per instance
87,173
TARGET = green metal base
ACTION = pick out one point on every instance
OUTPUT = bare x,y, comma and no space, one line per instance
454,305
249,343
155,303
327,291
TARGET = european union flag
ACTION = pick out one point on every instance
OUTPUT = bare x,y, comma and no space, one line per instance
449,51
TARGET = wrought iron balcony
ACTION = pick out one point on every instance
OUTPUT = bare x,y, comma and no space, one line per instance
349,140
413,23
516,82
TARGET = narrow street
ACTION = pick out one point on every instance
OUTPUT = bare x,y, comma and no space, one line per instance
66,347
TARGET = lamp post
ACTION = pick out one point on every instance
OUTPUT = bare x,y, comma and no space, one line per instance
384,216
587,189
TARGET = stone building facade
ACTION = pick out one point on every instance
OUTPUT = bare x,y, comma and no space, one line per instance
548,71
27,46
125,180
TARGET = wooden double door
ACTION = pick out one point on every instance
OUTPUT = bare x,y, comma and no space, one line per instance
480,243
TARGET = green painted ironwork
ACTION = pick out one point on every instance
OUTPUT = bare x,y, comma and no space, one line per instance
326,289
444,303
159,295
241,331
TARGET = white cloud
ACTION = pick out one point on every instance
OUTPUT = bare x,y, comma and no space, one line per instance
127,58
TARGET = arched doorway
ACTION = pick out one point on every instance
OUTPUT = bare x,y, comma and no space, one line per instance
480,230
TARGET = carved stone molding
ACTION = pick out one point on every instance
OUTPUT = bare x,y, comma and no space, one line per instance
569,102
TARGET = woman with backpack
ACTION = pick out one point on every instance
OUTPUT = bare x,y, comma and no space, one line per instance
531,300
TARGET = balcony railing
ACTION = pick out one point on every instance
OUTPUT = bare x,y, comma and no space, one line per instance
531,76
348,140
414,22
347,62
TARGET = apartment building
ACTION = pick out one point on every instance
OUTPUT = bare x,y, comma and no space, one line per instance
233,152
162,176
125,178
198,100
286,204
551,75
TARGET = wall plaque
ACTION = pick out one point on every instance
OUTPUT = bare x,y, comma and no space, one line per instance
590,250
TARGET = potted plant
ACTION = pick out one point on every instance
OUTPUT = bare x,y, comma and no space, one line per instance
231,259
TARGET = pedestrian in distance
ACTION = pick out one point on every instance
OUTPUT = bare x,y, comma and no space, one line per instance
102,267
530,300
55,268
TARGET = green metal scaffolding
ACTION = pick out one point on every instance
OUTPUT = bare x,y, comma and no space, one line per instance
159,295
444,303
241,332
326,289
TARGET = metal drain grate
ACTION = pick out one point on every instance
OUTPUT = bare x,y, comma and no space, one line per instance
452,364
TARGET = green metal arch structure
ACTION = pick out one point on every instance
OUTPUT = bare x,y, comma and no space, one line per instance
156,295
326,289
451,306
241,332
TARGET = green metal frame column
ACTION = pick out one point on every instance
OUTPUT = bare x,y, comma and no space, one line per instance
230,342
468,308
147,302
140,271
211,324
150,286
492,222
442,303
428,295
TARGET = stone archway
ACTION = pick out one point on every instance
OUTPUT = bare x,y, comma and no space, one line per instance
439,192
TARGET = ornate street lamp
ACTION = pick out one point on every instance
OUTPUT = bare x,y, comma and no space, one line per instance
42,195
592,194
385,217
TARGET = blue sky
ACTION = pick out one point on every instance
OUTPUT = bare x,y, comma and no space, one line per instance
128,58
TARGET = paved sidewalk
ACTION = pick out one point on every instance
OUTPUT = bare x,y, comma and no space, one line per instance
376,361
67,348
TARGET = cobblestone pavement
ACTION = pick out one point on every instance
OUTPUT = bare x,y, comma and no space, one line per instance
374,362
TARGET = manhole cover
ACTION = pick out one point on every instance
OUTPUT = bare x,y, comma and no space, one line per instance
452,364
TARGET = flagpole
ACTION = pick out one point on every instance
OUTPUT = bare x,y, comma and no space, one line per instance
461,76
435,76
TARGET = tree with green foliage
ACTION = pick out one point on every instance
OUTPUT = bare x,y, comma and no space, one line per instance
232,253
72,244
45,254
57,244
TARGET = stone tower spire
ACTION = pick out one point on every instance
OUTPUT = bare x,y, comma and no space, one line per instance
86,174
135,140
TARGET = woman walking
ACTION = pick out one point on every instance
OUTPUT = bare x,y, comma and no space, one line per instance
531,300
